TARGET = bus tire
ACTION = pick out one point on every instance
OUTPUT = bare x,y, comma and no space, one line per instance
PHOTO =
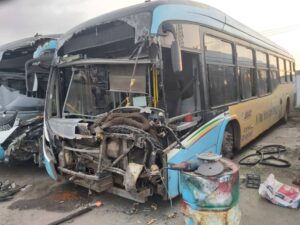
228,142
285,117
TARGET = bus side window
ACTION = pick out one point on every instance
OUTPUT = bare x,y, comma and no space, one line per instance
283,78
220,69
246,70
287,71
263,81
290,73
293,72
181,88
274,75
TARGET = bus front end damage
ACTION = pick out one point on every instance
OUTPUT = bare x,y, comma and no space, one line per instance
24,71
121,151
20,139
117,145
108,126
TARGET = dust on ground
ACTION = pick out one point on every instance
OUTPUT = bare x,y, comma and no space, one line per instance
65,197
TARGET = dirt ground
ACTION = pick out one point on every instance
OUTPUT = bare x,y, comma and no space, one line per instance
43,200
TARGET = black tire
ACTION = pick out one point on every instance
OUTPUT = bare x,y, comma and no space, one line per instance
228,142
285,117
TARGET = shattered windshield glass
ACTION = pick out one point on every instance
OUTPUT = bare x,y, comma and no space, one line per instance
13,82
114,38
98,89
88,92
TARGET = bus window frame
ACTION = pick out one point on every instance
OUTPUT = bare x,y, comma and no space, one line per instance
285,76
291,71
205,30
248,67
273,69
200,88
215,34
267,69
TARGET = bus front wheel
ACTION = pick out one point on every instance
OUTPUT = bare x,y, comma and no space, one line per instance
228,142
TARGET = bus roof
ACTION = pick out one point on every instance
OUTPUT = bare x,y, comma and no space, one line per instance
163,10
14,54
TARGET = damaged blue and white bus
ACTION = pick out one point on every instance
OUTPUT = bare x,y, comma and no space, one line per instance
24,72
142,88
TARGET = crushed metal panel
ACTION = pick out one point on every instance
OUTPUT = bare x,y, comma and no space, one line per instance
142,15
13,100
14,55
6,133
140,22
64,128
133,172
27,42
104,184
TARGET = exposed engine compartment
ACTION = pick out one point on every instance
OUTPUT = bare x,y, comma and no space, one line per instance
126,142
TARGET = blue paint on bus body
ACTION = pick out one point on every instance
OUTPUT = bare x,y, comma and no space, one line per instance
210,142
186,13
2,153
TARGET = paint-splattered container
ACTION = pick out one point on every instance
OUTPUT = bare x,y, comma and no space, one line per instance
211,200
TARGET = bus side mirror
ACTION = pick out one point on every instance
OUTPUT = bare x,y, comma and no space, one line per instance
32,83
176,57
175,47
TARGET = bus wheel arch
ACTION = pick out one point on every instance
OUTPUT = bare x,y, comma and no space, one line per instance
231,139
287,110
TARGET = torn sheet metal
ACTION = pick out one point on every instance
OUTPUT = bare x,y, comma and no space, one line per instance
47,47
14,101
27,42
133,172
14,55
5,134
64,128
140,21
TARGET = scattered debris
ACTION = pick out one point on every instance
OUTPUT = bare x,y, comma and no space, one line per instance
265,156
8,189
279,193
172,215
80,212
136,209
253,181
296,181
151,221
133,210
154,206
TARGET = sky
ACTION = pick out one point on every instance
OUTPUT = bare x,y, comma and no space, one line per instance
277,20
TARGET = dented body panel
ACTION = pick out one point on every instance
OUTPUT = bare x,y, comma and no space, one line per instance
24,68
